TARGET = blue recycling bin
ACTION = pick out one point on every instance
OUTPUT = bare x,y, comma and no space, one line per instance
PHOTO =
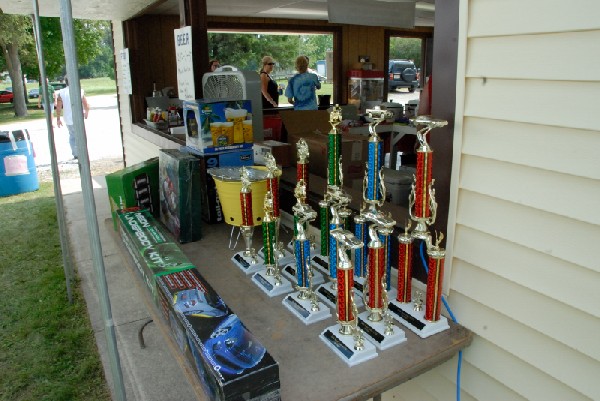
18,173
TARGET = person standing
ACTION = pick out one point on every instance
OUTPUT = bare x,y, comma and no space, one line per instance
268,86
51,96
63,103
213,65
301,89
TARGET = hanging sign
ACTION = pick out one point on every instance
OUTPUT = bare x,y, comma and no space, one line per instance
185,65
125,72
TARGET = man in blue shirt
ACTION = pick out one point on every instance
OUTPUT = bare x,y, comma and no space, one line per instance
301,89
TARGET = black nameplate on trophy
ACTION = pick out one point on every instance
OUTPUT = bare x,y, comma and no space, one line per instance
321,263
358,286
241,261
290,269
347,352
406,317
263,282
371,332
299,308
327,294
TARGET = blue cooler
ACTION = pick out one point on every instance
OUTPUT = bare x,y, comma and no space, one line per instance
17,166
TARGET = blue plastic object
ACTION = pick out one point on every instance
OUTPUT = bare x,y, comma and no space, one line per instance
18,173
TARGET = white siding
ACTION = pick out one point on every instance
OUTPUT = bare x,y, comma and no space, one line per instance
524,218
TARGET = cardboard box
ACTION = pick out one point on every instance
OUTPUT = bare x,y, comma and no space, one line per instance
180,194
230,362
213,125
313,126
135,185
281,151
211,206
152,249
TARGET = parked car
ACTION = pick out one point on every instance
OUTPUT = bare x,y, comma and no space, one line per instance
6,97
402,74
58,85
34,93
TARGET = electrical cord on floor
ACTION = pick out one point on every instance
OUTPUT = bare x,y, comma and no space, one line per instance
459,365
141,334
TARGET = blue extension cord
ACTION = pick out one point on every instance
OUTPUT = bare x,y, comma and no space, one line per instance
426,266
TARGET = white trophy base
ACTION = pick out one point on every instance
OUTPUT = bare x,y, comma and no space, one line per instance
321,263
289,271
343,346
302,308
415,321
375,332
245,263
268,284
329,296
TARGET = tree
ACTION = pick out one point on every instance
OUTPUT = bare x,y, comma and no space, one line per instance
406,48
15,33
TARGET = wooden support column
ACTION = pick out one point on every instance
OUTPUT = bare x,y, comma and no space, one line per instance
193,13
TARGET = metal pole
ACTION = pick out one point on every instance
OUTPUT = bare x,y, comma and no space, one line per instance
60,210
66,21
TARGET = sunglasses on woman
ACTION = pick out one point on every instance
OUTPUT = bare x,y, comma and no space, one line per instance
270,63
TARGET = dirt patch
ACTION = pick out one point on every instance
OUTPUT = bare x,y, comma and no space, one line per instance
70,169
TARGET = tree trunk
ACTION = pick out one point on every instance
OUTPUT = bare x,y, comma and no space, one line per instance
13,62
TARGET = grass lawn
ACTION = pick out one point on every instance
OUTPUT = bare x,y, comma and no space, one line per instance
91,87
47,347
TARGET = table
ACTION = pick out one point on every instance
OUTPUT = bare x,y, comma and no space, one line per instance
309,370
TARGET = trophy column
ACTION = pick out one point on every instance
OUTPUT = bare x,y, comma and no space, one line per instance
269,279
405,308
304,303
345,338
247,260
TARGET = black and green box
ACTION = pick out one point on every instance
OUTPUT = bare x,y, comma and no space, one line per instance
180,194
153,250
136,185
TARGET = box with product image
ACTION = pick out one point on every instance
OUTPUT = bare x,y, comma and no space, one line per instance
211,207
314,127
152,249
136,185
214,125
180,194
230,362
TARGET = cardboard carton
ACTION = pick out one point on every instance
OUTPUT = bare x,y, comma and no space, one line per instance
180,194
152,249
230,361
313,126
136,185
213,125
280,150
211,206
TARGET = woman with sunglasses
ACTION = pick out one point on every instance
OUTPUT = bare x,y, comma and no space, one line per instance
268,86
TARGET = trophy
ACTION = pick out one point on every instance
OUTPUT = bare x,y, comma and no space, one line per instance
273,173
269,280
334,212
345,338
246,260
422,209
302,174
304,303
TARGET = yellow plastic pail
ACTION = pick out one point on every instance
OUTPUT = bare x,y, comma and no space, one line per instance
229,185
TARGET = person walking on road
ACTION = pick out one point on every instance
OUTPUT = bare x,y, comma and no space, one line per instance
63,103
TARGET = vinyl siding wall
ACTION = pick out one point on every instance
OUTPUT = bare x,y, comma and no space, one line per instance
524,224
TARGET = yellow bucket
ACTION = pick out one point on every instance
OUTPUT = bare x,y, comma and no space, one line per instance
229,195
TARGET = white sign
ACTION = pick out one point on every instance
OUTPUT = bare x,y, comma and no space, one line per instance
125,72
185,64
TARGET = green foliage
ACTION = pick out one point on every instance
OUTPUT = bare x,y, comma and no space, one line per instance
245,51
47,347
406,48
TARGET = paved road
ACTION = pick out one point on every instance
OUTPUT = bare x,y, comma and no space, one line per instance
102,130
